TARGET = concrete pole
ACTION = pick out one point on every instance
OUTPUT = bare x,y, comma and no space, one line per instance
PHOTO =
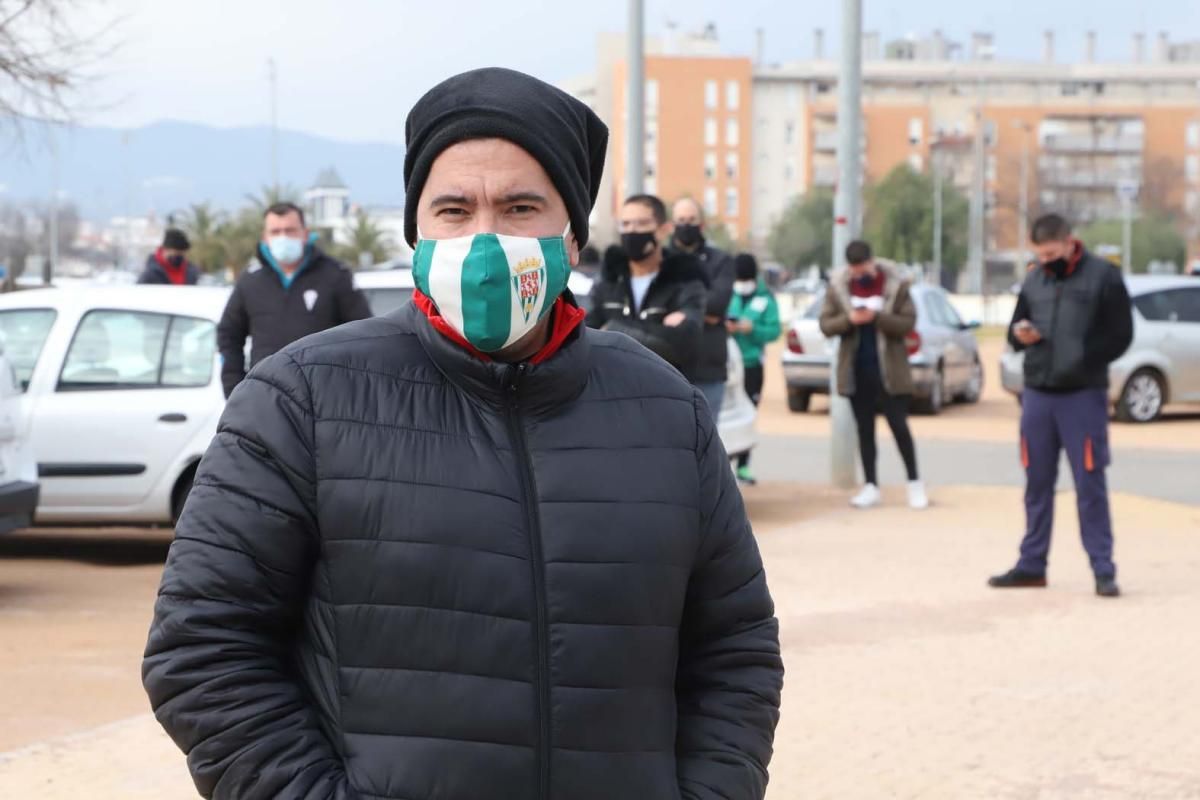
937,213
847,216
978,192
52,245
635,101
1127,236
272,76
1023,203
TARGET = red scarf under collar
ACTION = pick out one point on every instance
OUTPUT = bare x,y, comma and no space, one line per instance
176,275
564,322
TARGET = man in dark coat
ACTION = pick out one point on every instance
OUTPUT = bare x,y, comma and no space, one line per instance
471,549
655,298
292,290
708,372
1073,319
168,265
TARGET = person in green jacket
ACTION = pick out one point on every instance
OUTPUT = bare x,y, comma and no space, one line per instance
754,323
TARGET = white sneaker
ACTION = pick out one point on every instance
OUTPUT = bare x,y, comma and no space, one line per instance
917,498
868,497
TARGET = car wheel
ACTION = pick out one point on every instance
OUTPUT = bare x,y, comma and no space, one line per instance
179,497
799,400
974,389
1142,398
932,405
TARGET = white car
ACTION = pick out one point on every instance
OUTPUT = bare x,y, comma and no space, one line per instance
122,394
388,289
18,467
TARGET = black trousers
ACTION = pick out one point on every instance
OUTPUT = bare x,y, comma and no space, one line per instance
753,383
868,400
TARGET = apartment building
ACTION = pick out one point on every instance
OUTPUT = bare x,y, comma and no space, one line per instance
748,138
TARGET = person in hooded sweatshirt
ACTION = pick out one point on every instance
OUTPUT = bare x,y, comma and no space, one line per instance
168,265
292,290
753,322
390,580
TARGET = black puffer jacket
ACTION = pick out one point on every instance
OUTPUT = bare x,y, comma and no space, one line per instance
713,358
679,286
321,296
408,573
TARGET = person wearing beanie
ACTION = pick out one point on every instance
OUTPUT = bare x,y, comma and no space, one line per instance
168,265
392,578
753,321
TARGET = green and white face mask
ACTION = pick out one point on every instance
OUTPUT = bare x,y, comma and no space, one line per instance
493,289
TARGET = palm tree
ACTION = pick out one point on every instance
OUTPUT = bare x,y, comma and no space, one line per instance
203,225
270,195
366,238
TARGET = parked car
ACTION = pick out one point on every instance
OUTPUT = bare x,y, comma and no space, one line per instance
943,354
19,488
1161,366
121,393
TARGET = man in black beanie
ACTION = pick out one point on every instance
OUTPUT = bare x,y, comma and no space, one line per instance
471,549
168,265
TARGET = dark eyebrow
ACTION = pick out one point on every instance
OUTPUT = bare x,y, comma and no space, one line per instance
450,200
519,197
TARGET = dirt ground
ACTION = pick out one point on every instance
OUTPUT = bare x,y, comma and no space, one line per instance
907,677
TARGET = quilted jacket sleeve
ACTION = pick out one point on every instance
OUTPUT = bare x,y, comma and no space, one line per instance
730,672
233,590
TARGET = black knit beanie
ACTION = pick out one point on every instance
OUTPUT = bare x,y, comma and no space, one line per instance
564,135
745,267
176,239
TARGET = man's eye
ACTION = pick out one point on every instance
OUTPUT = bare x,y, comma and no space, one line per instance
522,209
452,212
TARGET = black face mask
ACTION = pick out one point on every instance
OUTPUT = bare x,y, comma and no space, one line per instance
1058,266
688,235
175,261
639,246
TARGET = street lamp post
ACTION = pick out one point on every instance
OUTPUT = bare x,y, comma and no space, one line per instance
1023,199
635,103
846,220
936,158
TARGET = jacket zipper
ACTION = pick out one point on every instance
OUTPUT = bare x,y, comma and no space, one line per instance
1058,290
537,566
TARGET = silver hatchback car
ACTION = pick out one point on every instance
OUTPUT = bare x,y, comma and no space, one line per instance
1163,363
942,354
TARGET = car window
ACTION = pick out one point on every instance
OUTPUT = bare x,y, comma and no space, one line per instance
949,311
1186,304
814,309
115,350
385,301
190,352
25,331
1155,306
929,311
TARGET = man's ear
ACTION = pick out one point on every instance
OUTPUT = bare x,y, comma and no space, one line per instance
572,250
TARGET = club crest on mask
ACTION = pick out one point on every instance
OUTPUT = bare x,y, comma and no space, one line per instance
528,279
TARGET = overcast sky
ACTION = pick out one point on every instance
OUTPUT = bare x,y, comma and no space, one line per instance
350,69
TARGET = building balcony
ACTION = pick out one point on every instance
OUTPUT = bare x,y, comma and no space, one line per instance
825,176
1083,179
1089,143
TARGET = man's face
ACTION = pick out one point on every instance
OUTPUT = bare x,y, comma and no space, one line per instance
865,268
1052,250
687,212
491,186
288,224
639,218
173,256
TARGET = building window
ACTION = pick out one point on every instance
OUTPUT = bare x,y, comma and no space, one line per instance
731,165
710,166
916,162
651,168
710,201
651,98
710,132
732,229
789,132
731,133
1193,135
731,202
916,129
732,95
789,169
712,95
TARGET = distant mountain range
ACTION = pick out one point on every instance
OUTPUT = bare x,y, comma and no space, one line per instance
168,165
